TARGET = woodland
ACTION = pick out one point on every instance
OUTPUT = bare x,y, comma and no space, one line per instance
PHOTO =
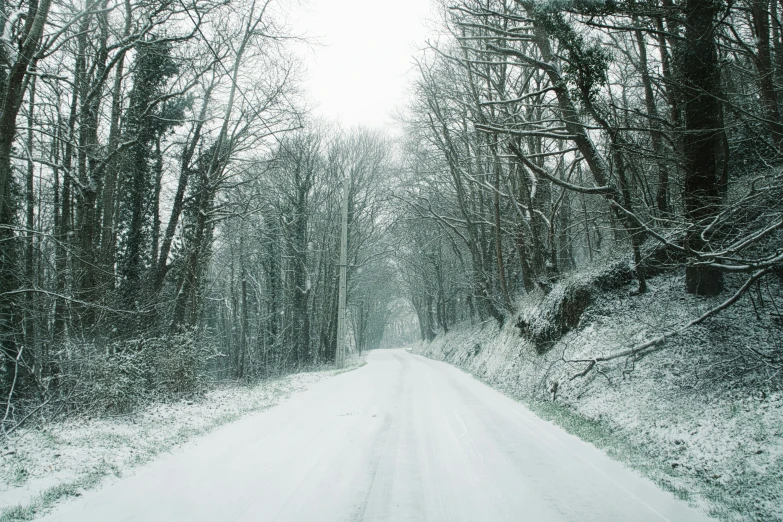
170,211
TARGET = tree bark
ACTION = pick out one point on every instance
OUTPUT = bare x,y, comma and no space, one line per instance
11,100
762,59
702,139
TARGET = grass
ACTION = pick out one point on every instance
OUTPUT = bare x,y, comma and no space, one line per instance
48,497
19,475
109,439
600,436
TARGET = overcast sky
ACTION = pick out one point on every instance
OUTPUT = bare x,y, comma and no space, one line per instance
360,73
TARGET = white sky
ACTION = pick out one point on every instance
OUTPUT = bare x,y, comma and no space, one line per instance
360,74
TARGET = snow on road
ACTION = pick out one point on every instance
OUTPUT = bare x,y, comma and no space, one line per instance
402,438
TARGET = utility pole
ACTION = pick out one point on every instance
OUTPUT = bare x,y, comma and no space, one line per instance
340,355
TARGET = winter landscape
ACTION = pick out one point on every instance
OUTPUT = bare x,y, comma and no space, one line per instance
428,260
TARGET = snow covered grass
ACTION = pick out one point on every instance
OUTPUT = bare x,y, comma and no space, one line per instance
39,466
703,417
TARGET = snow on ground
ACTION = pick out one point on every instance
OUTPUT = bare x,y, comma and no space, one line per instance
703,417
402,438
38,465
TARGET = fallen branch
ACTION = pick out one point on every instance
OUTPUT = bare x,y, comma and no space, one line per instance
18,424
13,386
656,343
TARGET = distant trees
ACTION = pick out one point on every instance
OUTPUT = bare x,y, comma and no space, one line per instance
277,258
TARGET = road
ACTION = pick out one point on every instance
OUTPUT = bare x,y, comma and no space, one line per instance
403,438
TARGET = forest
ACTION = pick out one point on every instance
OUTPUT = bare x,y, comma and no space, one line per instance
170,211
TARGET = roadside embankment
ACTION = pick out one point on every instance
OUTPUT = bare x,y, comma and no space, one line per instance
702,415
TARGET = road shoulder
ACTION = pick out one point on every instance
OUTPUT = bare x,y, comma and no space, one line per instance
45,464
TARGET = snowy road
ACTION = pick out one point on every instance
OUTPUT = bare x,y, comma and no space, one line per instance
402,438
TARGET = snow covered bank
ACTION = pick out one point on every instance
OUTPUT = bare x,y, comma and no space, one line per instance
703,417
40,465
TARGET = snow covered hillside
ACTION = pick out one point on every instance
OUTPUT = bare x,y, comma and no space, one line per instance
702,416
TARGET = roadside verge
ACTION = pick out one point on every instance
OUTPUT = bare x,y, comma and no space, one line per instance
702,418
41,465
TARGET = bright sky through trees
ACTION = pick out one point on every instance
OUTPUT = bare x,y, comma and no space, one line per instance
357,76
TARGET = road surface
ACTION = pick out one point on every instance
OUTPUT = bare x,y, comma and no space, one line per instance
400,439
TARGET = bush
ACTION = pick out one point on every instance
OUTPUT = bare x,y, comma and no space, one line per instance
121,376
115,381
179,363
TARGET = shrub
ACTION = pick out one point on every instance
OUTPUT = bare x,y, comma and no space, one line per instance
120,376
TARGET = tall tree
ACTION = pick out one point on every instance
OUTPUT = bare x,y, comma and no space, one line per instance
702,137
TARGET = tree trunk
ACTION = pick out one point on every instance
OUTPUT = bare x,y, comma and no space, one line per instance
662,193
11,99
701,141
762,59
